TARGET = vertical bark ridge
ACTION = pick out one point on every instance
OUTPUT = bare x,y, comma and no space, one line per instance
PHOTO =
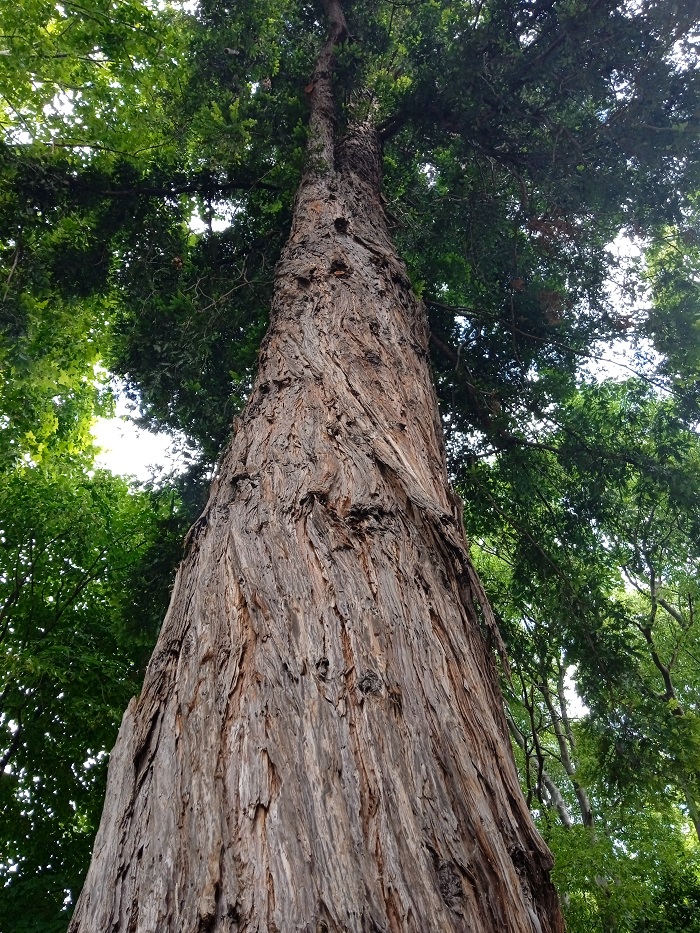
320,743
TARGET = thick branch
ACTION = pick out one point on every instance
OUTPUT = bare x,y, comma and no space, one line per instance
670,692
201,186
565,347
672,611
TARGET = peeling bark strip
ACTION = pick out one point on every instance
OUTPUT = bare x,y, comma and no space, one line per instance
320,743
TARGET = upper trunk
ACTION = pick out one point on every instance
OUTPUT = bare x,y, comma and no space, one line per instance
320,742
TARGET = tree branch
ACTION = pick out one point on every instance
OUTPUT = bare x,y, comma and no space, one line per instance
322,122
554,792
205,186
586,354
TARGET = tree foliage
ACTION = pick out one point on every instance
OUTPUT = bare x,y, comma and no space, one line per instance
85,567
149,160
81,597
588,547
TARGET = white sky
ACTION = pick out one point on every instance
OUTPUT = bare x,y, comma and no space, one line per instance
130,451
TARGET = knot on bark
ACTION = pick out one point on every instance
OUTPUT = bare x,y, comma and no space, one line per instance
370,684
450,885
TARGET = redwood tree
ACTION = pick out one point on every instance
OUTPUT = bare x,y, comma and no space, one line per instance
320,741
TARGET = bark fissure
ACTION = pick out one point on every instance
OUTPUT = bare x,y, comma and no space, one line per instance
331,752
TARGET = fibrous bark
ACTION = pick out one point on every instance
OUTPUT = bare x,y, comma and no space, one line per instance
320,743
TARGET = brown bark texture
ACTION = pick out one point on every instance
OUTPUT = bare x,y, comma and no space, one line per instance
320,742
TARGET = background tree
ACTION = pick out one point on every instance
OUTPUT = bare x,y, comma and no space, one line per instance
77,620
85,568
596,587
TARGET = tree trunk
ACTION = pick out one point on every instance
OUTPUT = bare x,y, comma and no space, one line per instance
320,743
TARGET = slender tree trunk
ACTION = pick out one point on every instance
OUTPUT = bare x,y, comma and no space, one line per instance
544,778
564,737
320,743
